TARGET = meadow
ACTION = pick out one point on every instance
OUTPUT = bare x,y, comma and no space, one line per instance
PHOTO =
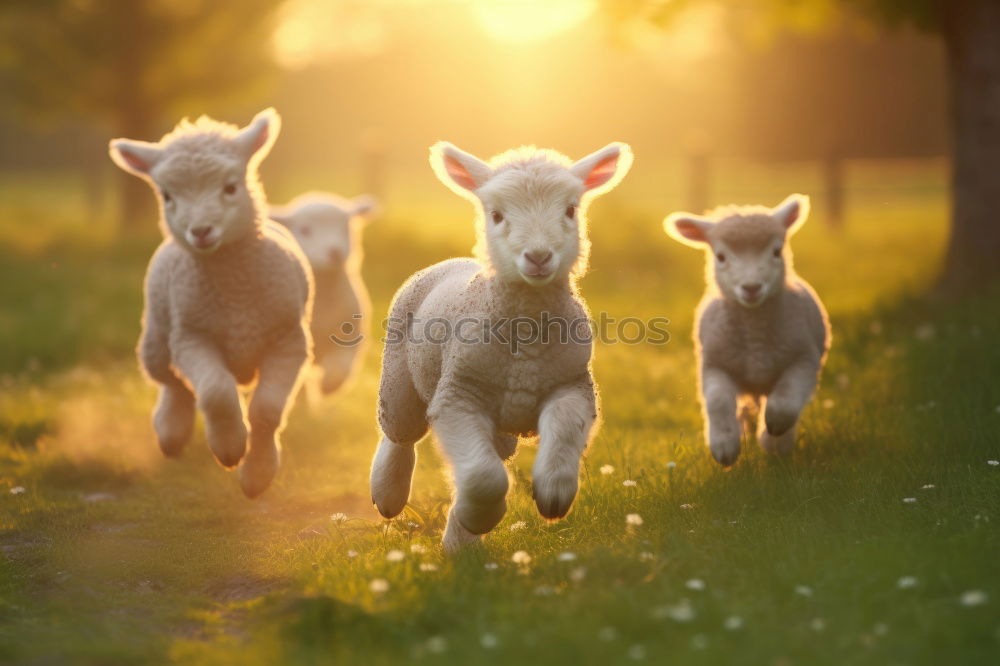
875,543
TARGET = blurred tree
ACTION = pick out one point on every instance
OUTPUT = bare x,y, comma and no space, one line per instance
970,30
132,65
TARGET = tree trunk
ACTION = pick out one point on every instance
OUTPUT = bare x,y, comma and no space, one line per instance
971,30
133,116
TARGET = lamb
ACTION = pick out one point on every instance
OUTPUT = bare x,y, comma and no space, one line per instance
450,360
328,228
227,295
762,335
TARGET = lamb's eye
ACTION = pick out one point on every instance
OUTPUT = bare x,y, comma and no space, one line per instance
777,251
304,230
571,212
721,257
497,217
165,195
230,188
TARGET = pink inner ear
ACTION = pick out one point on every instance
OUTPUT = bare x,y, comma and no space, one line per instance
134,161
792,215
690,230
602,172
261,138
459,173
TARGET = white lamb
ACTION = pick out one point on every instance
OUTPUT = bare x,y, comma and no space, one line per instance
328,228
763,333
228,295
450,361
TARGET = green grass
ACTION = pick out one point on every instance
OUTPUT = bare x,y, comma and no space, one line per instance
112,555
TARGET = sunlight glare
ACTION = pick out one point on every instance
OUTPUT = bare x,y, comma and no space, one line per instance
531,20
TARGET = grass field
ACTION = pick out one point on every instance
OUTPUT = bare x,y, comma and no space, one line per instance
875,543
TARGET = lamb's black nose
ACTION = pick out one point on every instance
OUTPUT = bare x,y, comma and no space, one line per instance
201,232
752,288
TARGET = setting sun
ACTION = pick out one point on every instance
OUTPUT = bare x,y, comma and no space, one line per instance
528,20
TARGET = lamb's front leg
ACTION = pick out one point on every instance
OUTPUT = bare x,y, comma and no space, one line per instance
719,393
480,478
217,398
564,426
280,374
784,404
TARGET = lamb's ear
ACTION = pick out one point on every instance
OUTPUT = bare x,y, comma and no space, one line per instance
602,170
792,212
282,216
687,228
136,157
457,169
364,207
255,140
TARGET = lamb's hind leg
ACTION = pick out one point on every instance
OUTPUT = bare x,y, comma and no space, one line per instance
480,478
173,418
402,415
280,375
783,406
564,425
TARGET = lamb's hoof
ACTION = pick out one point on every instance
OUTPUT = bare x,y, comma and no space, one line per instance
554,494
228,442
258,470
505,444
778,423
392,472
173,422
726,453
457,537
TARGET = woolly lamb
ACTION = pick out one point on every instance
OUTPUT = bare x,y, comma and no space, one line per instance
329,230
763,333
471,387
228,295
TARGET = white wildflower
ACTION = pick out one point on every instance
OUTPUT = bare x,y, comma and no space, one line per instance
566,557
637,652
909,500
607,470
578,574
906,583
646,556
818,624
695,584
437,644
519,525
687,506
607,634
699,641
803,590
633,520
418,548
733,623
991,463
973,598
428,566
521,557
489,641
629,483
379,585
491,566
927,486
339,517
395,556
17,490
671,465
352,553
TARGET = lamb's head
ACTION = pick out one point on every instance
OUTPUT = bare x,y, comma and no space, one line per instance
327,227
532,227
746,246
205,173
